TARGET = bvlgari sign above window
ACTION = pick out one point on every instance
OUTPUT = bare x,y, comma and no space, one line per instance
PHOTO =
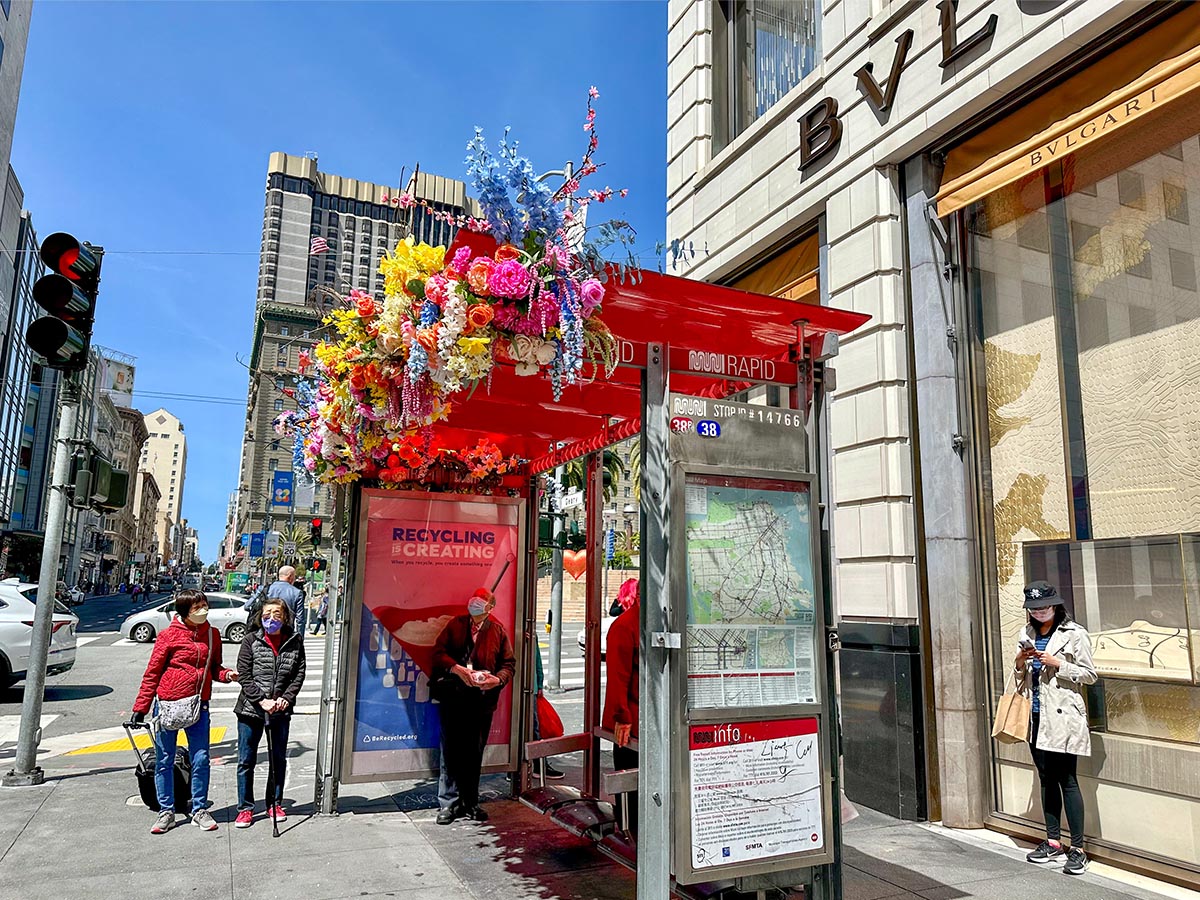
820,127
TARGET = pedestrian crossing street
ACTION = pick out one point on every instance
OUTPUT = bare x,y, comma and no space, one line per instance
224,696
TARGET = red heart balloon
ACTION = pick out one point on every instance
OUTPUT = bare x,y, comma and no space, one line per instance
575,563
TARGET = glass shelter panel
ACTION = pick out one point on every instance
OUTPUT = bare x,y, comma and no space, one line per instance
751,638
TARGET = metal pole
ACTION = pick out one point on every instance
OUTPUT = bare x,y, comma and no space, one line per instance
654,684
26,771
554,670
594,506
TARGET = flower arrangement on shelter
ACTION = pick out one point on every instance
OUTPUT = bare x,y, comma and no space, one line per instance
447,319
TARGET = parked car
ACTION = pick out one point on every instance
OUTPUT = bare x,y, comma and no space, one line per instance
605,624
226,613
17,603
165,585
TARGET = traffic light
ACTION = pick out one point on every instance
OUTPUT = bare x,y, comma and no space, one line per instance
576,539
317,564
316,533
69,296
94,483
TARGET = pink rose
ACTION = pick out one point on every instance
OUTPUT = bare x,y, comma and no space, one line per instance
435,288
591,293
508,278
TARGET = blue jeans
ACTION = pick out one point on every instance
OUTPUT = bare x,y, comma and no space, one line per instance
250,732
165,743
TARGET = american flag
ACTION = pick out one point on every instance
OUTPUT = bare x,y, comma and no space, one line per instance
319,245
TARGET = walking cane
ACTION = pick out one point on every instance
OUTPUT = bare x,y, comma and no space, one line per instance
271,777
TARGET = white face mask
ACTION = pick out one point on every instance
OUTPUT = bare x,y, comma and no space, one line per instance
1043,615
198,616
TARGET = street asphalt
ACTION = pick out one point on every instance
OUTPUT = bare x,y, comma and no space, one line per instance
85,833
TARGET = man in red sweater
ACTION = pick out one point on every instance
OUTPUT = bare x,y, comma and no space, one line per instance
473,660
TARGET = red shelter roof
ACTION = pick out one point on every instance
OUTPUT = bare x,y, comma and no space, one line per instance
720,324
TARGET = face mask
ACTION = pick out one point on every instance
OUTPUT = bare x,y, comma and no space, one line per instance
1042,615
197,616
477,606
272,626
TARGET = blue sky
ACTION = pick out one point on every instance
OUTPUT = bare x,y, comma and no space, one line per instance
145,127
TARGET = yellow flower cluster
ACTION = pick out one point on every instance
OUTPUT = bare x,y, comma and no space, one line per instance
410,260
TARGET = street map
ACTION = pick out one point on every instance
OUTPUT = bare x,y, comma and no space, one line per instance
750,595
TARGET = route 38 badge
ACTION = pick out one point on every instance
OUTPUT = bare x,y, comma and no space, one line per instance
682,425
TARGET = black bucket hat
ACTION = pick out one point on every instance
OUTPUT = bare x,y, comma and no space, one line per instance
1041,594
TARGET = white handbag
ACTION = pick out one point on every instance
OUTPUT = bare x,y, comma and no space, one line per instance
172,715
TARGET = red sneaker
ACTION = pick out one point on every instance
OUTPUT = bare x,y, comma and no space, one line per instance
245,818
279,815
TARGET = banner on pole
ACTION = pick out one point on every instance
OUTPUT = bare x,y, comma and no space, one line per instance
424,557
281,489
256,544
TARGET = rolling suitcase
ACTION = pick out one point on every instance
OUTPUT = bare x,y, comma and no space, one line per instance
145,774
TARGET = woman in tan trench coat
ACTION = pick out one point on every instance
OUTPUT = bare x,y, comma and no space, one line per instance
1053,664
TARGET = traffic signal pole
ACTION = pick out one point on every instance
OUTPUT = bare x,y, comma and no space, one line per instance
26,771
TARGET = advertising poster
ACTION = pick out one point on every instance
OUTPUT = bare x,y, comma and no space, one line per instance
755,792
281,489
235,582
116,379
424,557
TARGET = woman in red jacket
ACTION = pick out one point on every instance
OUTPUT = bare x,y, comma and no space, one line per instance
186,659
621,693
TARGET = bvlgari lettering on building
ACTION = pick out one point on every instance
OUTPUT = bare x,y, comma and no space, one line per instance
821,128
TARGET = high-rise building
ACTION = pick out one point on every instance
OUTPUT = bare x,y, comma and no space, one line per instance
127,452
356,224
165,455
146,547
18,392
14,32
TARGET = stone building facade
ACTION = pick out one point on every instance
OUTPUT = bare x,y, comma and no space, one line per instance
1005,189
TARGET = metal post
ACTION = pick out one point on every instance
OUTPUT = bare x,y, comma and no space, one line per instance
594,506
325,800
26,771
654,685
554,670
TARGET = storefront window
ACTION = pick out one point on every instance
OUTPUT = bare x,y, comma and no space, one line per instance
1085,297
763,49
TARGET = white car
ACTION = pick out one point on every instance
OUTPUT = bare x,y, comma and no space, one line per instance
605,624
17,604
226,613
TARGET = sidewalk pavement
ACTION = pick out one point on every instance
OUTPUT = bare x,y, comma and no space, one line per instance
85,834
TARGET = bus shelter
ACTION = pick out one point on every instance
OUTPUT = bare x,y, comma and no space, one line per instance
737,781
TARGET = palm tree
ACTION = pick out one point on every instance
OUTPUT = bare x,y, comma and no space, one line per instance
635,466
575,474
300,535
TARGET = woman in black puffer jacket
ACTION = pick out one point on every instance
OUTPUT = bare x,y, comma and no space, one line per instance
271,671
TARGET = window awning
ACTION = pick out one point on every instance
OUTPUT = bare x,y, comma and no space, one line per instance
1134,82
